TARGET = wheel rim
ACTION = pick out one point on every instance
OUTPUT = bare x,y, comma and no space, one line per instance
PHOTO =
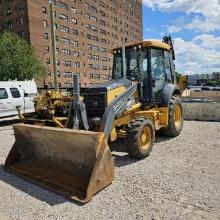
146,138
178,116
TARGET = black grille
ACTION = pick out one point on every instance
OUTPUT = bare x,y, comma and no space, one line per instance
95,105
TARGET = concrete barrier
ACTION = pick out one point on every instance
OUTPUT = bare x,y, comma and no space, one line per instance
201,111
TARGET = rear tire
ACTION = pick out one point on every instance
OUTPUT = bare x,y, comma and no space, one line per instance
140,138
175,118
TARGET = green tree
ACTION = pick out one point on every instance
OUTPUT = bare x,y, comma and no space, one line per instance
18,59
178,76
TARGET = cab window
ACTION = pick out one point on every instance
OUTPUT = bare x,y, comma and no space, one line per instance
15,93
3,93
167,67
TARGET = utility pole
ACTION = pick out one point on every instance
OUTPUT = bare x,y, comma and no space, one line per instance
53,39
123,57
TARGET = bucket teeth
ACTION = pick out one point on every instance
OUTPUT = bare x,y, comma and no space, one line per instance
76,164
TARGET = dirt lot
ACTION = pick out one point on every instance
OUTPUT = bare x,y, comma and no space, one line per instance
179,180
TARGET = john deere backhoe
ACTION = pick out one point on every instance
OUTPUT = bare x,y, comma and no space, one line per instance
142,98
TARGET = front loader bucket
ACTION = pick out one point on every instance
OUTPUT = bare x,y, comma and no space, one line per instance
74,163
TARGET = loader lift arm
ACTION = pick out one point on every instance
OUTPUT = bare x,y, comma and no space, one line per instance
116,109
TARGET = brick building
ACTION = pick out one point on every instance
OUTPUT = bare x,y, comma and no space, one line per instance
85,32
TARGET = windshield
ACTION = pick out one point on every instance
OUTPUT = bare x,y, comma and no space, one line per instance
135,63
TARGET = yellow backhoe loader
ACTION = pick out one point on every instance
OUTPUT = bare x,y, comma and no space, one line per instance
143,97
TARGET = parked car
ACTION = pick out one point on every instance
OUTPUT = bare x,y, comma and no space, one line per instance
17,94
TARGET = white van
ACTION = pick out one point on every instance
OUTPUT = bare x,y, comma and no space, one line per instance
14,94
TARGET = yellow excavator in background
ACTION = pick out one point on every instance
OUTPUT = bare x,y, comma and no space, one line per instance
143,97
51,109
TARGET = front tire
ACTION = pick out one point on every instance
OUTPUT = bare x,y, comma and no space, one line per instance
175,118
140,138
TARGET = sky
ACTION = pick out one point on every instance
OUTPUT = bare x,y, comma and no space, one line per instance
195,27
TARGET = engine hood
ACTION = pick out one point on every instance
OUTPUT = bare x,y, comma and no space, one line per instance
113,84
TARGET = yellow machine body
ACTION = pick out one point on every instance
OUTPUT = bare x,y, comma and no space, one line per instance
78,163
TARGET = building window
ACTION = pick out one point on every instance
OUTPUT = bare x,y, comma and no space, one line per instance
66,52
64,29
102,4
58,74
65,41
45,35
105,77
94,19
48,60
67,63
95,38
103,41
74,43
75,53
62,5
64,17
46,50
93,28
44,10
9,25
50,85
103,49
92,8
20,7
74,11
102,22
21,34
76,64
68,85
74,21
103,31
45,23
96,76
8,12
104,59
87,16
74,32
102,13
67,74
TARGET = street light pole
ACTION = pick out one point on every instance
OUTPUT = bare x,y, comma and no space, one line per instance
53,39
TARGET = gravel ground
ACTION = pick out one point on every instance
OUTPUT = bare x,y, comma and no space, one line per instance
179,180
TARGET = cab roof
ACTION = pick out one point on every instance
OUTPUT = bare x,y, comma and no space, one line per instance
149,43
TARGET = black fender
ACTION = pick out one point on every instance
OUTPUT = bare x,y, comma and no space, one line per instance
168,91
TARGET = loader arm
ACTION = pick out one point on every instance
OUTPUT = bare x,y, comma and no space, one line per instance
116,109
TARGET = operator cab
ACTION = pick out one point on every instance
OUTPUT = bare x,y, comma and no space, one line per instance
150,63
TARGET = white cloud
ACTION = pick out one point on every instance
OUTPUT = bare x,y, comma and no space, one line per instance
197,56
209,10
208,41
202,53
173,29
